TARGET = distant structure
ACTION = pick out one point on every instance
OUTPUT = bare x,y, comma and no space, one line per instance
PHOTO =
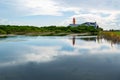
94,24
73,40
74,23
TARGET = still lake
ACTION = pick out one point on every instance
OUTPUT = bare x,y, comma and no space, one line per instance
58,58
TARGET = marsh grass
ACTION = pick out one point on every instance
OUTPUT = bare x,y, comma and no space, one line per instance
111,36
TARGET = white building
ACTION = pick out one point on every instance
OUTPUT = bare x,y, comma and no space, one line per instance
94,24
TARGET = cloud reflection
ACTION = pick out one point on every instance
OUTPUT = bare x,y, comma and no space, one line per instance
42,54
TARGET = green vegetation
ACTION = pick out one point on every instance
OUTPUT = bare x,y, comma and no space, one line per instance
47,30
117,32
113,36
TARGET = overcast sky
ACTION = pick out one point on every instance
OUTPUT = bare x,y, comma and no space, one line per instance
60,12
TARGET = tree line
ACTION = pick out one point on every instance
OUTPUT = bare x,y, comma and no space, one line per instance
15,29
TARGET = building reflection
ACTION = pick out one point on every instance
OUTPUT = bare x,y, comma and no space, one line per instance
89,39
85,39
98,39
73,40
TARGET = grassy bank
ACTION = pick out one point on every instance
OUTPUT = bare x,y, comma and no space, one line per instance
113,36
47,30
111,33
117,33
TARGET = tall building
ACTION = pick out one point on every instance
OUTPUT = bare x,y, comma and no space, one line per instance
74,23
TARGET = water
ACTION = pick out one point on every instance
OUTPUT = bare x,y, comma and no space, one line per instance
59,58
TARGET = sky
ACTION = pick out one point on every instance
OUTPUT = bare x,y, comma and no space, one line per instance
60,12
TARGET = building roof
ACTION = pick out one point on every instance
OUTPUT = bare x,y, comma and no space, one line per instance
74,25
94,24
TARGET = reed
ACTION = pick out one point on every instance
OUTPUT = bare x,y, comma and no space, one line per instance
111,36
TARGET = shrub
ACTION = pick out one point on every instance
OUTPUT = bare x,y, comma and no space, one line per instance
2,31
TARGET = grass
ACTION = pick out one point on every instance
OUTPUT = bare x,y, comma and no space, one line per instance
117,32
113,36
111,33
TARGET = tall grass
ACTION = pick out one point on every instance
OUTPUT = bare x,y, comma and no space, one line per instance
111,36
117,32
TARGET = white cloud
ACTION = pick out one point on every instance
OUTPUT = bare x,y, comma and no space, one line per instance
104,12
105,19
94,4
39,7
42,54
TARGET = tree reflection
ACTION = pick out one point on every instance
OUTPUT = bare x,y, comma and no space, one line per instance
85,39
97,39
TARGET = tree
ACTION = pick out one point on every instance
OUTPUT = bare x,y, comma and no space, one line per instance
2,31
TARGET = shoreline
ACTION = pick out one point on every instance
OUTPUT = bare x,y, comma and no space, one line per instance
46,34
5,35
111,36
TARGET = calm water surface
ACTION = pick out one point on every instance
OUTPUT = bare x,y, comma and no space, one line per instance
59,58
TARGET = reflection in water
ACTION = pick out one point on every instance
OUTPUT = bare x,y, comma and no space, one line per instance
89,39
85,38
112,40
73,40
97,39
100,38
55,58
